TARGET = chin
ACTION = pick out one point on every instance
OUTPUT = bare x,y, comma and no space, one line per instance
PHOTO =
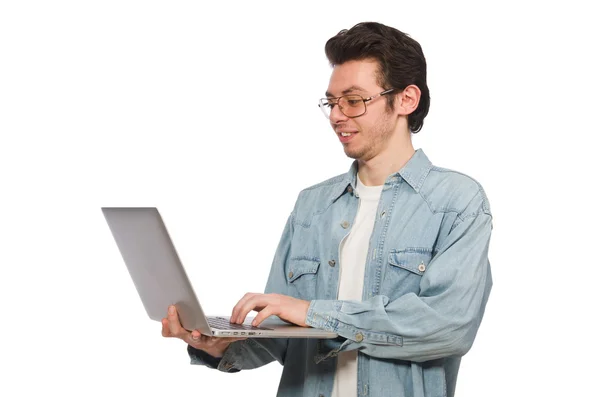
353,154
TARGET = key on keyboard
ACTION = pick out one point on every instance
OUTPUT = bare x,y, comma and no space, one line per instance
223,323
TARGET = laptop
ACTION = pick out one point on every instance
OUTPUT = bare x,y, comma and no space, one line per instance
160,279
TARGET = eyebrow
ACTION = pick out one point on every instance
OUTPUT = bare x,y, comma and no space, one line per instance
347,90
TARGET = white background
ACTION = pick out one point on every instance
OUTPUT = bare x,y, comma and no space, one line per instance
209,112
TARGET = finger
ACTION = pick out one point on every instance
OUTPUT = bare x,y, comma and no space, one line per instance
200,343
235,313
256,308
196,335
258,302
242,310
193,338
262,315
165,328
174,324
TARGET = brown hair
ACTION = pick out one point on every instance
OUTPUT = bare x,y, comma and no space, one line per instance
401,61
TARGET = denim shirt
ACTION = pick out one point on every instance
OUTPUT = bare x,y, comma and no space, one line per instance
426,285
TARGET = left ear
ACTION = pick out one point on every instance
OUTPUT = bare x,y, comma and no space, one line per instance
408,100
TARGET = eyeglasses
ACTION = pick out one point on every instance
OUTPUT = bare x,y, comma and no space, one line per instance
350,105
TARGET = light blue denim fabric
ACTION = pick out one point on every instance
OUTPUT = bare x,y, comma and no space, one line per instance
427,282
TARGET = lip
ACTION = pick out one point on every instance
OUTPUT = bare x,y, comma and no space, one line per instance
346,139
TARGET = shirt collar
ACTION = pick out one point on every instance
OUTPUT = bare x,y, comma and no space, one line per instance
416,170
414,173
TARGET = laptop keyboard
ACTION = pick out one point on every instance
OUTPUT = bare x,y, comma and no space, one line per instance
223,323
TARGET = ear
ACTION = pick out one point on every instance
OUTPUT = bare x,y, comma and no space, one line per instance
408,100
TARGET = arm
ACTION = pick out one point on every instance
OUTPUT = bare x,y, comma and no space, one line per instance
441,321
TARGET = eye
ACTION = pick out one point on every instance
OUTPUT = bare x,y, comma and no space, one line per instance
353,101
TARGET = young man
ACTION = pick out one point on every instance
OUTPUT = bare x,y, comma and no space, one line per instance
392,255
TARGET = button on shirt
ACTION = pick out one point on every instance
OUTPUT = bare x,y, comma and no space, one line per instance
354,249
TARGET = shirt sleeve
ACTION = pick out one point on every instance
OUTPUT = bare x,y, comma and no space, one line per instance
440,321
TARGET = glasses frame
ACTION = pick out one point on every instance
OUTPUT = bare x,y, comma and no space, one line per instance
323,102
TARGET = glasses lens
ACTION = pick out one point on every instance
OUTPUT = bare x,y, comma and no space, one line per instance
352,105
326,106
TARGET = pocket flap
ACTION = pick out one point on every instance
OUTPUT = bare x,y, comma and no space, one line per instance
301,266
414,260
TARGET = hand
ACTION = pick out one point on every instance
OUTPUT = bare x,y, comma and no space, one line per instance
285,307
171,328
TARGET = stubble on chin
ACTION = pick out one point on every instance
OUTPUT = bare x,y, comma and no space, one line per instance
354,154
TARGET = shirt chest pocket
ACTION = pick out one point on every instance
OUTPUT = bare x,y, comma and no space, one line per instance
301,275
404,270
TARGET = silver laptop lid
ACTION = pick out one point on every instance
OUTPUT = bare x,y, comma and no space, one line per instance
154,266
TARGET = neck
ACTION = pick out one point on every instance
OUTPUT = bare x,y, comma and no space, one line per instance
374,172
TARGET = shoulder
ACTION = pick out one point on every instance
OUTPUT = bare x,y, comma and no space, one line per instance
325,186
317,198
447,190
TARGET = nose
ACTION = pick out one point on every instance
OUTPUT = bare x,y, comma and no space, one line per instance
336,115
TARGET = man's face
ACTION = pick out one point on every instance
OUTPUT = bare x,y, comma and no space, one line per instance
369,133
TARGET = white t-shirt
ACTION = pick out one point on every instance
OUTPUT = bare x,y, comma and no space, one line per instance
353,258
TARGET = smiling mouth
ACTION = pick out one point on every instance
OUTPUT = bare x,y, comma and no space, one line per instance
346,137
